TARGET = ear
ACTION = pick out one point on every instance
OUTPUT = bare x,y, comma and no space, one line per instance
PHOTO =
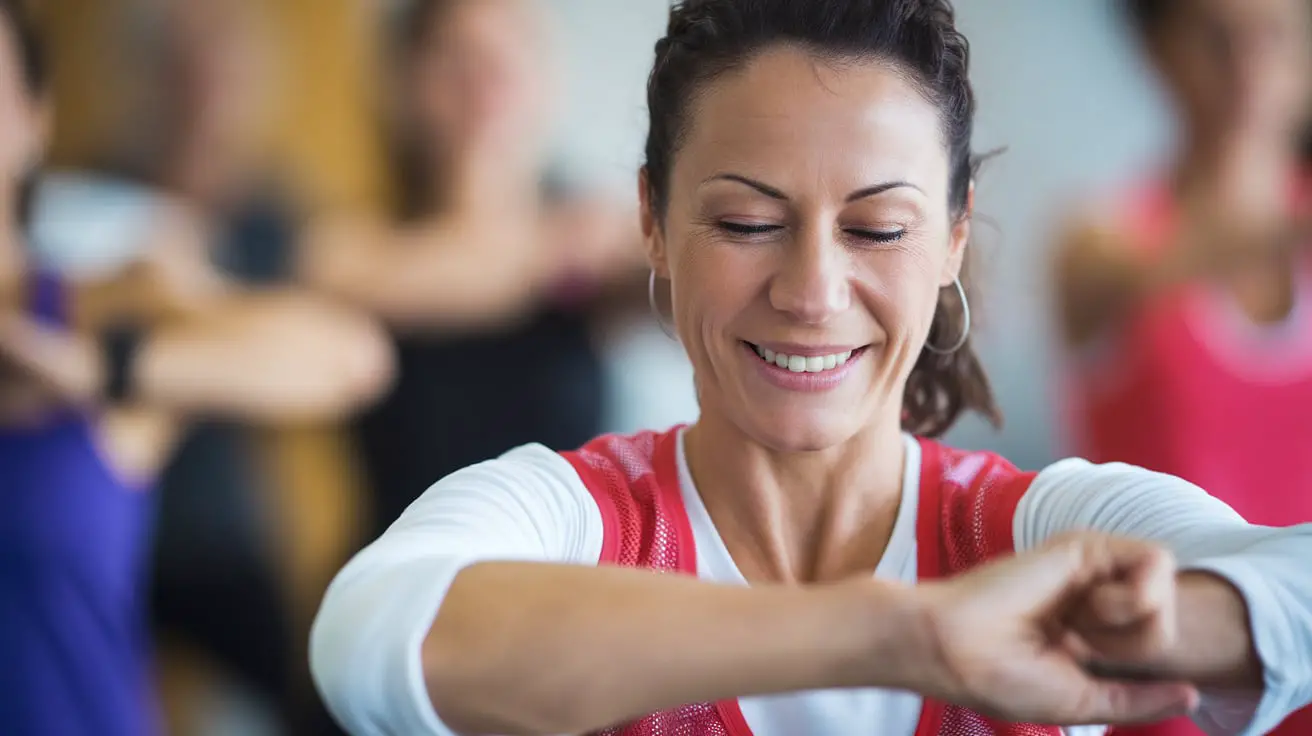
958,241
653,235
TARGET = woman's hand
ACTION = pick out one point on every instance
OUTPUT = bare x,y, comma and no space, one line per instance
42,368
1020,639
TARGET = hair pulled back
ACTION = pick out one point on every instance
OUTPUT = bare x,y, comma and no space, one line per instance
707,38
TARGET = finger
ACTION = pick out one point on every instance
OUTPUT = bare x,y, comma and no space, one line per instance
1123,702
1144,587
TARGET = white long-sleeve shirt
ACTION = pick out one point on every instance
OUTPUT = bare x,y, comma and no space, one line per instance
531,505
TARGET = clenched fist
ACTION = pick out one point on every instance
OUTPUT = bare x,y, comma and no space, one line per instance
1021,639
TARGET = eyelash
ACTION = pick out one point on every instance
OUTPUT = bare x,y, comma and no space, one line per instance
746,231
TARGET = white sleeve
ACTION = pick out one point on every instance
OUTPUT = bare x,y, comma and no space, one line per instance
365,644
1269,566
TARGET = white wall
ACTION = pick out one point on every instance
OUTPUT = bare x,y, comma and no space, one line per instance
1058,86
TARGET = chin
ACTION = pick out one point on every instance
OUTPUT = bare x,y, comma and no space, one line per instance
803,431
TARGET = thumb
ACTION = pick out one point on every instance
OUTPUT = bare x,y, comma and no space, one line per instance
1050,572
1123,702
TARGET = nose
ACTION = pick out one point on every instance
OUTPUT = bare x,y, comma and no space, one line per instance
812,284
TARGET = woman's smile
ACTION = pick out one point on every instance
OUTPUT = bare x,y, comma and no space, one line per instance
802,368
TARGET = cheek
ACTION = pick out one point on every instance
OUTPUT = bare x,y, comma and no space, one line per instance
901,290
715,285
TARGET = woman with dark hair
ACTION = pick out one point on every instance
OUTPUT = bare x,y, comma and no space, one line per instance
807,196
1185,300
97,379
484,268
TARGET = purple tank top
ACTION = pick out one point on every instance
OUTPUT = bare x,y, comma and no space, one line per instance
73,638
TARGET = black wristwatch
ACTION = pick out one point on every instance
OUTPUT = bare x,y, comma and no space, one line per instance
119,347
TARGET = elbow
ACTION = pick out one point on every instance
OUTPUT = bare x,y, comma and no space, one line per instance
357,366
369,363
476,699
331,665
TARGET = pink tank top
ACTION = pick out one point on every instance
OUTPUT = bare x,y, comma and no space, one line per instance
967,505
1193,388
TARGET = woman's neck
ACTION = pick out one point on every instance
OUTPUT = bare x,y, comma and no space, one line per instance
799,517
1236,172
483,183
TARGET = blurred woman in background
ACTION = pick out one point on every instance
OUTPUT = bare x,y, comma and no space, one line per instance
483,269
1187,303
98,377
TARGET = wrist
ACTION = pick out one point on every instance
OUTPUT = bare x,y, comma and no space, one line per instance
899,649
120,348
1211,609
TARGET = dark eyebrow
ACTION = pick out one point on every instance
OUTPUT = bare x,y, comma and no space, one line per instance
880,189
765,189
773,193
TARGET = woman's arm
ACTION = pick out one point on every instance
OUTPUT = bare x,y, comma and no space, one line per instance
282,356
269,357
1244,604
455,273
445,275
1102,276
483,605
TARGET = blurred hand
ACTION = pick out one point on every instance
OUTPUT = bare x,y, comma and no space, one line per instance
43,368
1017,638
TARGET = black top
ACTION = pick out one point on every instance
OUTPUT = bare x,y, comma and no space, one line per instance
462,400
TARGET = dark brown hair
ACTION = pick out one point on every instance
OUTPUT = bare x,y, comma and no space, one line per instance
31,55
707,38
1147,16
27,44
408,33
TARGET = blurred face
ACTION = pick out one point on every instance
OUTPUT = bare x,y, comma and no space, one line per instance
224,73
807,236
22,118
478,80
1239,67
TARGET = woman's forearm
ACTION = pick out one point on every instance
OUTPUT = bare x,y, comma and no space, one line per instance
1215,647
273,357
584,648
439,277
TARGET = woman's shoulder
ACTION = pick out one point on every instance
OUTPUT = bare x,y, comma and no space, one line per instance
630,455
1116,222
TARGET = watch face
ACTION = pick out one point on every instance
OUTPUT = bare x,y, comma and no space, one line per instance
87,226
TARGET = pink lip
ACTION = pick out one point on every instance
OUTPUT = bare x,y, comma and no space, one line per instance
804,382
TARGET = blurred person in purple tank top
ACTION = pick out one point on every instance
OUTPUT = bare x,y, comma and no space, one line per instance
97,380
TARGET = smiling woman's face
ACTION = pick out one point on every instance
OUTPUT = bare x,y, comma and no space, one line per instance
806,237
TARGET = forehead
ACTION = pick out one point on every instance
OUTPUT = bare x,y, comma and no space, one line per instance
1244,13
797,119
488,19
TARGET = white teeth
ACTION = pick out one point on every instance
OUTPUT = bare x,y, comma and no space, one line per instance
805,364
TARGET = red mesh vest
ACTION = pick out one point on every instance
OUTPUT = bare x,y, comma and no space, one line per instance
967,503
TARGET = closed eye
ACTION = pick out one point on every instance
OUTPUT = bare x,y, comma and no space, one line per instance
738,228
878,236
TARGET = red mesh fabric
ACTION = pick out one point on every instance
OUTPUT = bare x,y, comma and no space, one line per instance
637,477
967,499
962,722
978,495
975,501
644,526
